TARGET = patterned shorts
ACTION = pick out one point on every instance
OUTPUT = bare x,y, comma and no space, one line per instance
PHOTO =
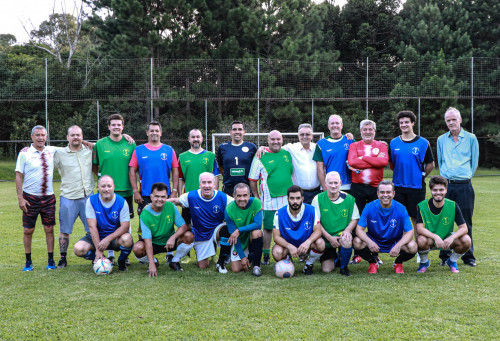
45,205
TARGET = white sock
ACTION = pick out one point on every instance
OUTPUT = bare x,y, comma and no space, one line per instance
111,253
182,250
455,256
313,256
424,255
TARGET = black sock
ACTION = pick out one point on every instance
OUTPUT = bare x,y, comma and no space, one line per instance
64,254
225,248
51,256
255,251
28,256
367,255
403,257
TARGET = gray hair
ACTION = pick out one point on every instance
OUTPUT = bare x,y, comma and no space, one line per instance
453,110
332,116
386,182
205,173
367,122
36,128
241,185
332,173
305,125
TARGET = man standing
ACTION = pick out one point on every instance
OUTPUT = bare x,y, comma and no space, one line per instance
297,230
458,156
34,173
235,158
207,207
274,170
157,227
244,223
331,153
389,230
74,164
435,226
411,160
108,217
338,215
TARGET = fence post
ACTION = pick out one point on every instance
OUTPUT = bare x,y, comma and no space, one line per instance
151,81
472,94
367,87
98,122
258,101
419,116
312,114
206,126
47,103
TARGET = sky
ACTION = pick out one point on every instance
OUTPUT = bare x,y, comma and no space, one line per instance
30,13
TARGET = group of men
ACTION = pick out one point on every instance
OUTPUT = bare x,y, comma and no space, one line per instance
317,201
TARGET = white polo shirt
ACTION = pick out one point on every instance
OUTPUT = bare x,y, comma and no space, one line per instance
38,169
304,168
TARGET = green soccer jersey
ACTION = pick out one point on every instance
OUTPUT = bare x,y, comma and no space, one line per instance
192,165
113,159
335,217
243,218
161,226
279,169
442,223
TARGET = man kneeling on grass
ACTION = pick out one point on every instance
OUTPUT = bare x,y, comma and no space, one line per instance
108,217
435,220
157,228
297,231
389,230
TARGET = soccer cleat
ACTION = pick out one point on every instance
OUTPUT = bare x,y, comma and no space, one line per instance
62,263
168,258
28,266
423,266
345,272
355,260
303,257
398,268
221,268
443,262
256,271
175,266
470,262
266,260
127,262
112,260
308,269
379,261
453,266
51,265
373,268
122,265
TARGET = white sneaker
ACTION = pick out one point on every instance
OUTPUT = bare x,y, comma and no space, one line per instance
221,268
256,271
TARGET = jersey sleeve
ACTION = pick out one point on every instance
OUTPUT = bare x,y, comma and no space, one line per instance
419,216
218,157
255,169
408,226
315,204
181,176
21,159
355,212
89,210
318,156
124,213
133,160
178,220
175,160
95,156
276,221
429,156
145,231
183,199
363,219
216,170
459,218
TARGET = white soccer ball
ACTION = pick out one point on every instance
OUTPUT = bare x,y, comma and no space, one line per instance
284,269
103,266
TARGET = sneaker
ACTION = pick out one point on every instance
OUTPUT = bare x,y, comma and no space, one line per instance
175,266
62,263
373,268
379,261
221,268
423,266
266,260
308,269
168,258
51,265
127,262
28,266
398,268
453,266
122,265
443,262
142,260
355,260
345,272
303,258
112,260
470,262
157,263
256,271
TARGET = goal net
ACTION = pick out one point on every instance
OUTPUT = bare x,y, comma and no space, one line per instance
260,139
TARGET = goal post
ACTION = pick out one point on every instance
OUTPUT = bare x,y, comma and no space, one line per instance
260,139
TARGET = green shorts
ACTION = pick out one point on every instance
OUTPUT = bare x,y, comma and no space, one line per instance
268,220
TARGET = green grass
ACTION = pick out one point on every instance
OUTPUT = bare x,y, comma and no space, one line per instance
73,303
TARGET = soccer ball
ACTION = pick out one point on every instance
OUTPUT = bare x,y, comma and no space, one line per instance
284,269
103,267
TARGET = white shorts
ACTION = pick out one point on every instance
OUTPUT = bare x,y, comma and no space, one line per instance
207,248
234,254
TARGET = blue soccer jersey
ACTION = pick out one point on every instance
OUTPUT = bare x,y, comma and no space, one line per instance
296,232
333,153
108,218
408,160
206,214
154,166
236,162
385,226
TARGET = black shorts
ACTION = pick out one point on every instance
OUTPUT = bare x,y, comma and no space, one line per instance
45,205
112,246
161,248
130,202
410,198
363,194
186,215
329,253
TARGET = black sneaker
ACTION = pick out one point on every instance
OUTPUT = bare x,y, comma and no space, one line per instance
168,258
122,265
62,263
112,260
308,269
175,266
266,260
345,272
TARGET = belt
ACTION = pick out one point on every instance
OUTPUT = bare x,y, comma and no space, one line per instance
311,190
459,181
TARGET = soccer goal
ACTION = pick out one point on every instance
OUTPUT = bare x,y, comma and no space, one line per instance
260,139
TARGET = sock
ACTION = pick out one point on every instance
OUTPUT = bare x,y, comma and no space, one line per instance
64,254
28,257
266,252
111,253
314,255
182,250
345,256
51,256
225,250
90,255
403,257
124,253
424,255
255,251
455,256
170,253
367,255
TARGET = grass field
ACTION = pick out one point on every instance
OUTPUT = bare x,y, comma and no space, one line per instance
73,303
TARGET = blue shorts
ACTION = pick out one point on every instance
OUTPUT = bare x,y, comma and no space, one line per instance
69,210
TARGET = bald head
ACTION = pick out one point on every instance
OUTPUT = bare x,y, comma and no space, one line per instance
275,141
